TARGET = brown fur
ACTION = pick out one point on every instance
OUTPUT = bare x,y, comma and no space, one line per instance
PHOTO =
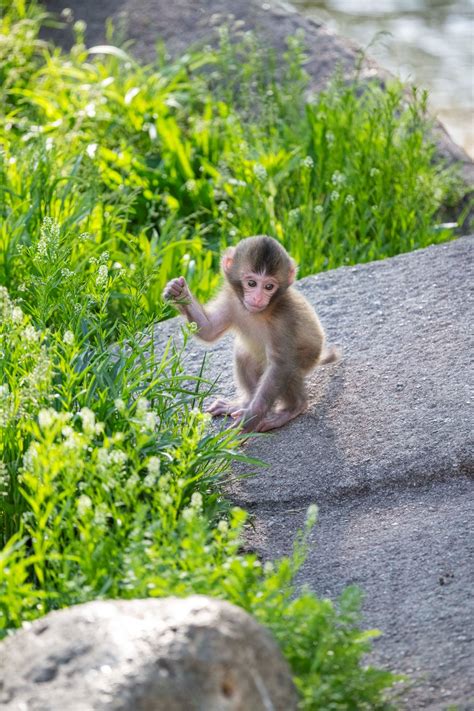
274,347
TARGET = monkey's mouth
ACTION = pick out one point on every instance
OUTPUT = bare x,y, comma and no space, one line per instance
254,309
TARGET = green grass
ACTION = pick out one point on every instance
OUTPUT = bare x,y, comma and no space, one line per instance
114,178
165,165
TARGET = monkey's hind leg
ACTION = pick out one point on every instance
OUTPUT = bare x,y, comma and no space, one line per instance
247,370
247,377
294,403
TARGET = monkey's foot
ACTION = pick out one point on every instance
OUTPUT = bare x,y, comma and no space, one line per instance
277,419
222,407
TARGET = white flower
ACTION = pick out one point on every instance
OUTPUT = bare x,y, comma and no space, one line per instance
260,172
102,276
118,457
149,481
318,209
29,334
349,200
80,26
132,481
91,150
68,338
338,178
30,455
88,420
147,418
4,478
83,504
49,239
17,315
334,195
308,162
46,417
222,526
150,420
119,405
196,500
142,407
103,458
188,514
100,514
154,465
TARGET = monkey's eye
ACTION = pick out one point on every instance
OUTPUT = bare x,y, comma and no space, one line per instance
269,287
251,283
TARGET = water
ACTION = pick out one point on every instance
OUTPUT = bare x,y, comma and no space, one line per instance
431,44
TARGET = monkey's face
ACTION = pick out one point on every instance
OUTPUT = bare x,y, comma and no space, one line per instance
258,290
258,270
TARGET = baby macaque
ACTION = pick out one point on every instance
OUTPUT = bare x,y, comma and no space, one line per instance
278,335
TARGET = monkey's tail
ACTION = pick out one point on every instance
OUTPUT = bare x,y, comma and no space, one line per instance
330,355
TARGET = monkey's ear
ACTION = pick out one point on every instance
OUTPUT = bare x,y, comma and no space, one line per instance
228,259
292,271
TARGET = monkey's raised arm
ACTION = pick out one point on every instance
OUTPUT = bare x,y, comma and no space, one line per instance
211,322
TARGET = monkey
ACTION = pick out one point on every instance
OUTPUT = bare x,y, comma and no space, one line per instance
279,338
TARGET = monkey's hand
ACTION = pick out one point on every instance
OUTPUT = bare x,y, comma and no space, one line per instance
247,419
177,291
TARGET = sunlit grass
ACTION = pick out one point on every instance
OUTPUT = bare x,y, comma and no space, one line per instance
165,165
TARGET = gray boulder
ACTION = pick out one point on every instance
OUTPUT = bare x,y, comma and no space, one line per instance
192,654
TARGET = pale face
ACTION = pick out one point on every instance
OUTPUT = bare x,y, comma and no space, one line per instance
258,290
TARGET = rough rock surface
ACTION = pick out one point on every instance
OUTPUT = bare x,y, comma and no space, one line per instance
386,450
192,654
187,22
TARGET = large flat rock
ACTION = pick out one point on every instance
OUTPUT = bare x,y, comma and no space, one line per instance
386,450
412,554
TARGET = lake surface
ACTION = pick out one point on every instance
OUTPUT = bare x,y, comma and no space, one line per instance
431,44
